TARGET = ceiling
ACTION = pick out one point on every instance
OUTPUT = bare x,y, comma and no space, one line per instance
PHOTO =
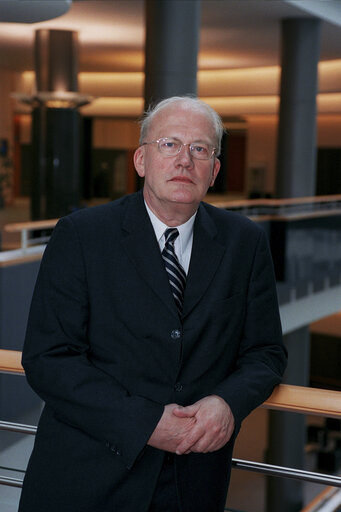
234,33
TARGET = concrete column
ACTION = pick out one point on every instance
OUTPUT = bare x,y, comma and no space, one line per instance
56,126
287,431
172,43
296,153
56,60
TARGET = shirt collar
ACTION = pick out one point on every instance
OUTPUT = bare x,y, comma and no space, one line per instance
185,230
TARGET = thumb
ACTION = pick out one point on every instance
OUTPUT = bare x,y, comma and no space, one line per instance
185,412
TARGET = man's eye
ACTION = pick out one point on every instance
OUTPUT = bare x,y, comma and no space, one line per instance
169,144
200,149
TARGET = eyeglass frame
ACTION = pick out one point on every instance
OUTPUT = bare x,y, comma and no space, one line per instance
181,145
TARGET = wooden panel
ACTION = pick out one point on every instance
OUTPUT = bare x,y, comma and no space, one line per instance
10,362
320,402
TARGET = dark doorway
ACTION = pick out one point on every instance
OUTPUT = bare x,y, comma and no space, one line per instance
328,179
231,177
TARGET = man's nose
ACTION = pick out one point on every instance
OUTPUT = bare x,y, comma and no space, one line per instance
185,156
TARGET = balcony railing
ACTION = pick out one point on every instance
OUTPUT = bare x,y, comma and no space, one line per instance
26,228
287,398
320,402
10,362
257,209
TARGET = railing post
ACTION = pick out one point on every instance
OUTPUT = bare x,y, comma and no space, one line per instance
24,238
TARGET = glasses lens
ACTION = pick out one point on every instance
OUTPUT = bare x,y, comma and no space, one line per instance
169,146
201,151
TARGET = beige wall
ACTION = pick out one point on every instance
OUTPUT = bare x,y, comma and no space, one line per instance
115,133
262,143
329,131
261,149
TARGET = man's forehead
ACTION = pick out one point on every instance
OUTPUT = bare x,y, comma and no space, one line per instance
179,115
179,109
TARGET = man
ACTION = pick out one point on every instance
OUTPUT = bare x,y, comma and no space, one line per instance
149,349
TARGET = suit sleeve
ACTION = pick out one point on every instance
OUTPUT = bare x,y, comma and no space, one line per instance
57,356
262,356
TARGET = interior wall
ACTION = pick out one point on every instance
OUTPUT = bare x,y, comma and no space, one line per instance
261,132
6,87
329,131
115,133
261,151
25,129
262,144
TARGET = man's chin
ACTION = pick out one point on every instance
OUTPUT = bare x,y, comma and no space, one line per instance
183,198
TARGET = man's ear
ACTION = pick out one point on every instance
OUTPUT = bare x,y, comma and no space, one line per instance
139,161
215,170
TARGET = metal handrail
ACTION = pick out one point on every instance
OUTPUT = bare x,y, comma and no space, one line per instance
11,482
18,427
258,467
297,474
288,398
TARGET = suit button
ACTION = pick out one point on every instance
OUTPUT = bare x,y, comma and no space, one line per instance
115,450
178,387
175,334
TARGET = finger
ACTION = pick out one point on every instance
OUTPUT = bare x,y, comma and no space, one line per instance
206,445
212,446
183,448
190,440
185,412
215,440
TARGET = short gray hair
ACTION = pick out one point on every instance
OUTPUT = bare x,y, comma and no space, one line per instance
190,101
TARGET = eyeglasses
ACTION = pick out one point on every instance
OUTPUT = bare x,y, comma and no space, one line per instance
172,147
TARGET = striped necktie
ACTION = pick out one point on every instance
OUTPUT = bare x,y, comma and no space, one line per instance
176,274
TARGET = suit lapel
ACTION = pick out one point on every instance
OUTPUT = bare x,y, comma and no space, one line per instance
205,258
142,248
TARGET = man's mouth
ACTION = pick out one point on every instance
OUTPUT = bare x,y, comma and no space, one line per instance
182,179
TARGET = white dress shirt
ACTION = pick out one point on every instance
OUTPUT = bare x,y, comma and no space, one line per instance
183,243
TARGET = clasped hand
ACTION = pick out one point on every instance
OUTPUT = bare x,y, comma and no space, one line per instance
205,426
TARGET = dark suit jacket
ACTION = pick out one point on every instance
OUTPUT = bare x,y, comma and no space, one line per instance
106,350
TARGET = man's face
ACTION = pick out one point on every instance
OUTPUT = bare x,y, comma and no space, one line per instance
180,179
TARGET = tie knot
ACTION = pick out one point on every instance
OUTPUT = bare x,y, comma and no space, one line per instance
171,234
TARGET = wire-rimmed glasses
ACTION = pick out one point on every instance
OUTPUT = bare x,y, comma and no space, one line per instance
170,146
